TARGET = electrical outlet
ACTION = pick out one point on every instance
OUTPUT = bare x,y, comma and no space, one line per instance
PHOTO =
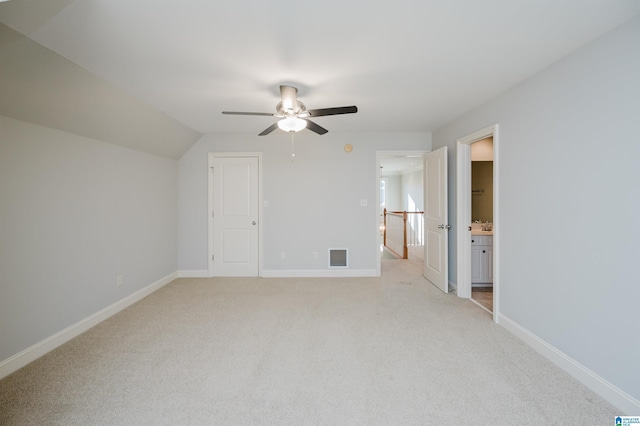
119,280
315,254
283,255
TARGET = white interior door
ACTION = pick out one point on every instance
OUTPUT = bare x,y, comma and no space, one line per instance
435,217
235,216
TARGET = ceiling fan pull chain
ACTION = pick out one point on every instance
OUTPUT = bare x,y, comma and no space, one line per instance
293,155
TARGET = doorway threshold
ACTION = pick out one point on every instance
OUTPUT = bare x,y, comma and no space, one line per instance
483,297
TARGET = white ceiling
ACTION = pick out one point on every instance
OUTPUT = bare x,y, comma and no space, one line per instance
392,165
409,65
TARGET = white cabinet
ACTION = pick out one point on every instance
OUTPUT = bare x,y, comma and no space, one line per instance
481,259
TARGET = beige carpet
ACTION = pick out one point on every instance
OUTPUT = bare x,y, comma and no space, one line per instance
366,351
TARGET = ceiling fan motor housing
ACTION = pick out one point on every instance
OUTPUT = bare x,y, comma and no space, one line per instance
290,106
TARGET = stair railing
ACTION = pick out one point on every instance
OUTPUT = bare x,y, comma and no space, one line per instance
397,236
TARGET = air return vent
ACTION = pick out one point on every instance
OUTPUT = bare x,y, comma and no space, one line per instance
338,258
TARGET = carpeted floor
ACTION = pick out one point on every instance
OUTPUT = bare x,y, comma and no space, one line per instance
352,351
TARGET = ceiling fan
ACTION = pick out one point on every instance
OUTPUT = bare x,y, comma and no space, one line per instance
294,113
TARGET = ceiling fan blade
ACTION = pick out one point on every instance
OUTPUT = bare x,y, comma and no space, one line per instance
315,128
248,113
269,129
333,111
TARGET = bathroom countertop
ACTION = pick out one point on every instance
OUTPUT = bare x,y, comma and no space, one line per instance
479,232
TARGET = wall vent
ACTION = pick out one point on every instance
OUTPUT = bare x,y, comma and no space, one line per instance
338,258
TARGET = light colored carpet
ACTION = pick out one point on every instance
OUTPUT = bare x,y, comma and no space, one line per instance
352,351
415,253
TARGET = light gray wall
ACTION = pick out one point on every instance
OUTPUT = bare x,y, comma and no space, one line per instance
74,214
569,152
412,188
314,203
394,192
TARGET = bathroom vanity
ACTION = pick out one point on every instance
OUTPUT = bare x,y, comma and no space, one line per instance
481,258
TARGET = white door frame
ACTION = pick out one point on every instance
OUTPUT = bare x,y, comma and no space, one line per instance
379,155
463,202
212,157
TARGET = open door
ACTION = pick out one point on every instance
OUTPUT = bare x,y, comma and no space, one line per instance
435,219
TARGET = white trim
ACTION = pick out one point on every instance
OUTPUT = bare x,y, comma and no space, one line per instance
212,156
196,273
496,224
34,352
463,214
479,134
319,273
615,396
463,207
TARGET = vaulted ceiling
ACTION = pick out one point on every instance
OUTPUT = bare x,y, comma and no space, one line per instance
155,74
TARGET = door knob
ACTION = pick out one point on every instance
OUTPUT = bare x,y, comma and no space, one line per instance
253,223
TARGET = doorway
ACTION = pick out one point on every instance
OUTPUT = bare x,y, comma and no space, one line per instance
477,240
399,180
482,223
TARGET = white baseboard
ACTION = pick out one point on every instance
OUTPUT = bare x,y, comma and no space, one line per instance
34,352
292,273
319,273
615,396
196,273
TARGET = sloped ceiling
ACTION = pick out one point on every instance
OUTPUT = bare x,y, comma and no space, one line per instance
44,88
155,74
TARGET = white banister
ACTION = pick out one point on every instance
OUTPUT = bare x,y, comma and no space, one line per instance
401,230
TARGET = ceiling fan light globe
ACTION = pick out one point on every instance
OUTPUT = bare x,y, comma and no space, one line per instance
292,124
